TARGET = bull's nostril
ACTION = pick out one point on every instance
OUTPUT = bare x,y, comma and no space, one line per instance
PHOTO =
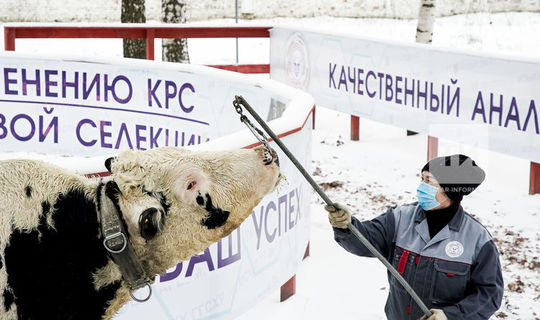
270,156
275,158
267,157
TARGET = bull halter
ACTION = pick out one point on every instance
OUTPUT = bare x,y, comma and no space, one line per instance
116,242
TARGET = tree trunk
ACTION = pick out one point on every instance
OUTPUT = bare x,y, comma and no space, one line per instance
426,19
174,50
424,29
133,11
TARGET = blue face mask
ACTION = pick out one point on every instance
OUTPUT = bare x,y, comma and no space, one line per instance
426,196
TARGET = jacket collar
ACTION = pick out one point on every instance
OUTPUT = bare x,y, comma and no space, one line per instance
454,224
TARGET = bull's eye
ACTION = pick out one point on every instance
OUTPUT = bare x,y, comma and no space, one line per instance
151,222
191,185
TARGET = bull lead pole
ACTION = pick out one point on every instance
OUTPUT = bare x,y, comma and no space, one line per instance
239,100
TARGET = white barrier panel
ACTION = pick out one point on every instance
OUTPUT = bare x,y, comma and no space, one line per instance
485,101
88,109
230,276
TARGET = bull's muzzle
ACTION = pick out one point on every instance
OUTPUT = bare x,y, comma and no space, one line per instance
270,156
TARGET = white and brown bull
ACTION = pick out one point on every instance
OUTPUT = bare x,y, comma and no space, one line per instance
172,203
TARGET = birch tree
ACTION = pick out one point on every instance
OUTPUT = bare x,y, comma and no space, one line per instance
133,11
174,50
426,19
424,28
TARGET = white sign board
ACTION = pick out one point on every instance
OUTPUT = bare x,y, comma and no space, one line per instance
88,109
479,100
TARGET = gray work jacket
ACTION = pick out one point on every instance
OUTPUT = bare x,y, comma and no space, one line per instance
457,271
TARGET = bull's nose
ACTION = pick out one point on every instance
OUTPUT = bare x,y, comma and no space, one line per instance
275,158
270,156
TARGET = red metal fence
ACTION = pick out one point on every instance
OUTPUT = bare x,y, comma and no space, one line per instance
149,33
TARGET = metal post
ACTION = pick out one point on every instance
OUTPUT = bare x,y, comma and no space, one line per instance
288,289
534,180
355,128
432,147
150,34
9,39
306,254
313,116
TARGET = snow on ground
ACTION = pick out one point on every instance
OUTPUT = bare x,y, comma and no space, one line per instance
382,169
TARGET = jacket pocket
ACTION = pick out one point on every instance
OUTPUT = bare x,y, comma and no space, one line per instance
403,262
449,282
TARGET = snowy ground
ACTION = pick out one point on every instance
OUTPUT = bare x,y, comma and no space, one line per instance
383,169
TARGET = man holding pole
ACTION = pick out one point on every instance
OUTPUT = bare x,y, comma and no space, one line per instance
448,257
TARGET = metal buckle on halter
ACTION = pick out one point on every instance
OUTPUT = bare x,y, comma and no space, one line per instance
146,298
114,241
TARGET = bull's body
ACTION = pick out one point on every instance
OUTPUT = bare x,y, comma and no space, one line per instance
50,244
53,264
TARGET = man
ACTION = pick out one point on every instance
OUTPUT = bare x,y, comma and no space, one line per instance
447,256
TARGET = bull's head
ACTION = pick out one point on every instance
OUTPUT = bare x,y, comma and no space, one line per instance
177,202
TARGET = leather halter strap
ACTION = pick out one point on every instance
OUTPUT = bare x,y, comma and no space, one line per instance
116,242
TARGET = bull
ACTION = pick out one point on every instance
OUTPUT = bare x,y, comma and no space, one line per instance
73,247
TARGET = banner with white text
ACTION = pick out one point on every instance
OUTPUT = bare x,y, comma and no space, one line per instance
483,101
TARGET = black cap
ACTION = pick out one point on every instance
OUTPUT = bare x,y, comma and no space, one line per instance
458,175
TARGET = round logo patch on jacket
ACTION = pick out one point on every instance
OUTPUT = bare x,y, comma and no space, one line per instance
454,249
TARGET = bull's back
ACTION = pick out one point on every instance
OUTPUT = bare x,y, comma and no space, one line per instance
25,186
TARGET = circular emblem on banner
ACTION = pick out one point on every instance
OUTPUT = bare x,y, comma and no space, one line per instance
297,62
454,249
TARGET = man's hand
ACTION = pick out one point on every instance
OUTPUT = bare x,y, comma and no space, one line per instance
438,314
339,217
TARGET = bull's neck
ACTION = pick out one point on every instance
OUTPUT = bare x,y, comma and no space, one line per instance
51,268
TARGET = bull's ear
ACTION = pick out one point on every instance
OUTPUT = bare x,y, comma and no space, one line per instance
108,163
189,186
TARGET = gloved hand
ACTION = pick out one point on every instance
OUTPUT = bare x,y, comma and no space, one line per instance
438,314
340,217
